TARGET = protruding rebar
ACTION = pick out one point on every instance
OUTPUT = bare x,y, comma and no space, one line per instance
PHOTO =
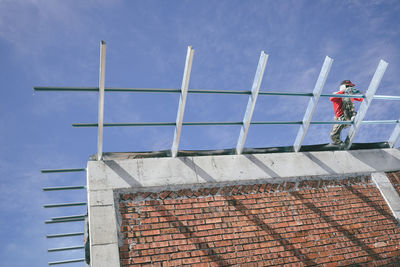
63,170
66,261
64,188
64,249
64,235
59,205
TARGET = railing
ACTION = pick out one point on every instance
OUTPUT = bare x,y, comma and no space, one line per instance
253,95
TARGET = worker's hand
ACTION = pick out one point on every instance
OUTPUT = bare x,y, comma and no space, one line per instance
352,91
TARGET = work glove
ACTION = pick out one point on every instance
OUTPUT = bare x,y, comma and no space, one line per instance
352,91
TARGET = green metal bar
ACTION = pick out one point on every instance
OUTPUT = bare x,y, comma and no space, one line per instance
285,93
68,217
381,122
200,91
64,249
212,123
230,123
64,235
63,170
67,261
63,221
331,122
343,96
71,89
274,122
64,188
386,97
65,205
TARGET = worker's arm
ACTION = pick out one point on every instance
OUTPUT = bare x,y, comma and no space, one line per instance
337,99
356,92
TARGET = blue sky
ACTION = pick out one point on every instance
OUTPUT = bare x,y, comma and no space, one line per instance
56,43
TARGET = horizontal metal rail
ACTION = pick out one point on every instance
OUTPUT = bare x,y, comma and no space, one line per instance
64,235
66,261
69,217
66,220
64,188
201,91
65,248
63,170
59,205
227,123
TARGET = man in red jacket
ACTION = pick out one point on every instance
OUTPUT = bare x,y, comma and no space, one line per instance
344,109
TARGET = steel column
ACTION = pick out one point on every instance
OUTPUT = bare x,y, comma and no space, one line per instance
262,62
369,95
312,104
101,99
182,101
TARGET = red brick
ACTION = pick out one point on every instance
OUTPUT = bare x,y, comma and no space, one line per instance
324,221
141,260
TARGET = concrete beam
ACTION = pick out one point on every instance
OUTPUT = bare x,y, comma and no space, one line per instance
137,173
103,177
388,192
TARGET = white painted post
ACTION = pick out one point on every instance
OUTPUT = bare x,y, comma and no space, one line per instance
394,137
101,99
252,102
182,101
312,104
369,95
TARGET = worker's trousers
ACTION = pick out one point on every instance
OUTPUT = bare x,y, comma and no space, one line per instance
349,113
337,129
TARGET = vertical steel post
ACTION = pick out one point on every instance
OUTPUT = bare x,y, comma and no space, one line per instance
369,95
394,137
101,99
312,104
182,101
251,102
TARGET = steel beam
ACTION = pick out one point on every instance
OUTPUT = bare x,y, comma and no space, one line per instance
369,95
394,137
66,261
102,75
255,89
182,100
312,104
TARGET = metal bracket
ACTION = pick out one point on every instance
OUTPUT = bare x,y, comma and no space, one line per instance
369,95
394,137
101,99
182,101
252,102
312,104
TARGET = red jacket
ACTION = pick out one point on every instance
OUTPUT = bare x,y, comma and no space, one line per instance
337,103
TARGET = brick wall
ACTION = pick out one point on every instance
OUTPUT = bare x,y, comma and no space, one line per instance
394,178
322,222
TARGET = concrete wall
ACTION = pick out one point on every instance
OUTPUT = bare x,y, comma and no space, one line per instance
105,176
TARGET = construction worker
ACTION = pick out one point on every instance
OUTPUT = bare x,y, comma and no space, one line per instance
344,109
